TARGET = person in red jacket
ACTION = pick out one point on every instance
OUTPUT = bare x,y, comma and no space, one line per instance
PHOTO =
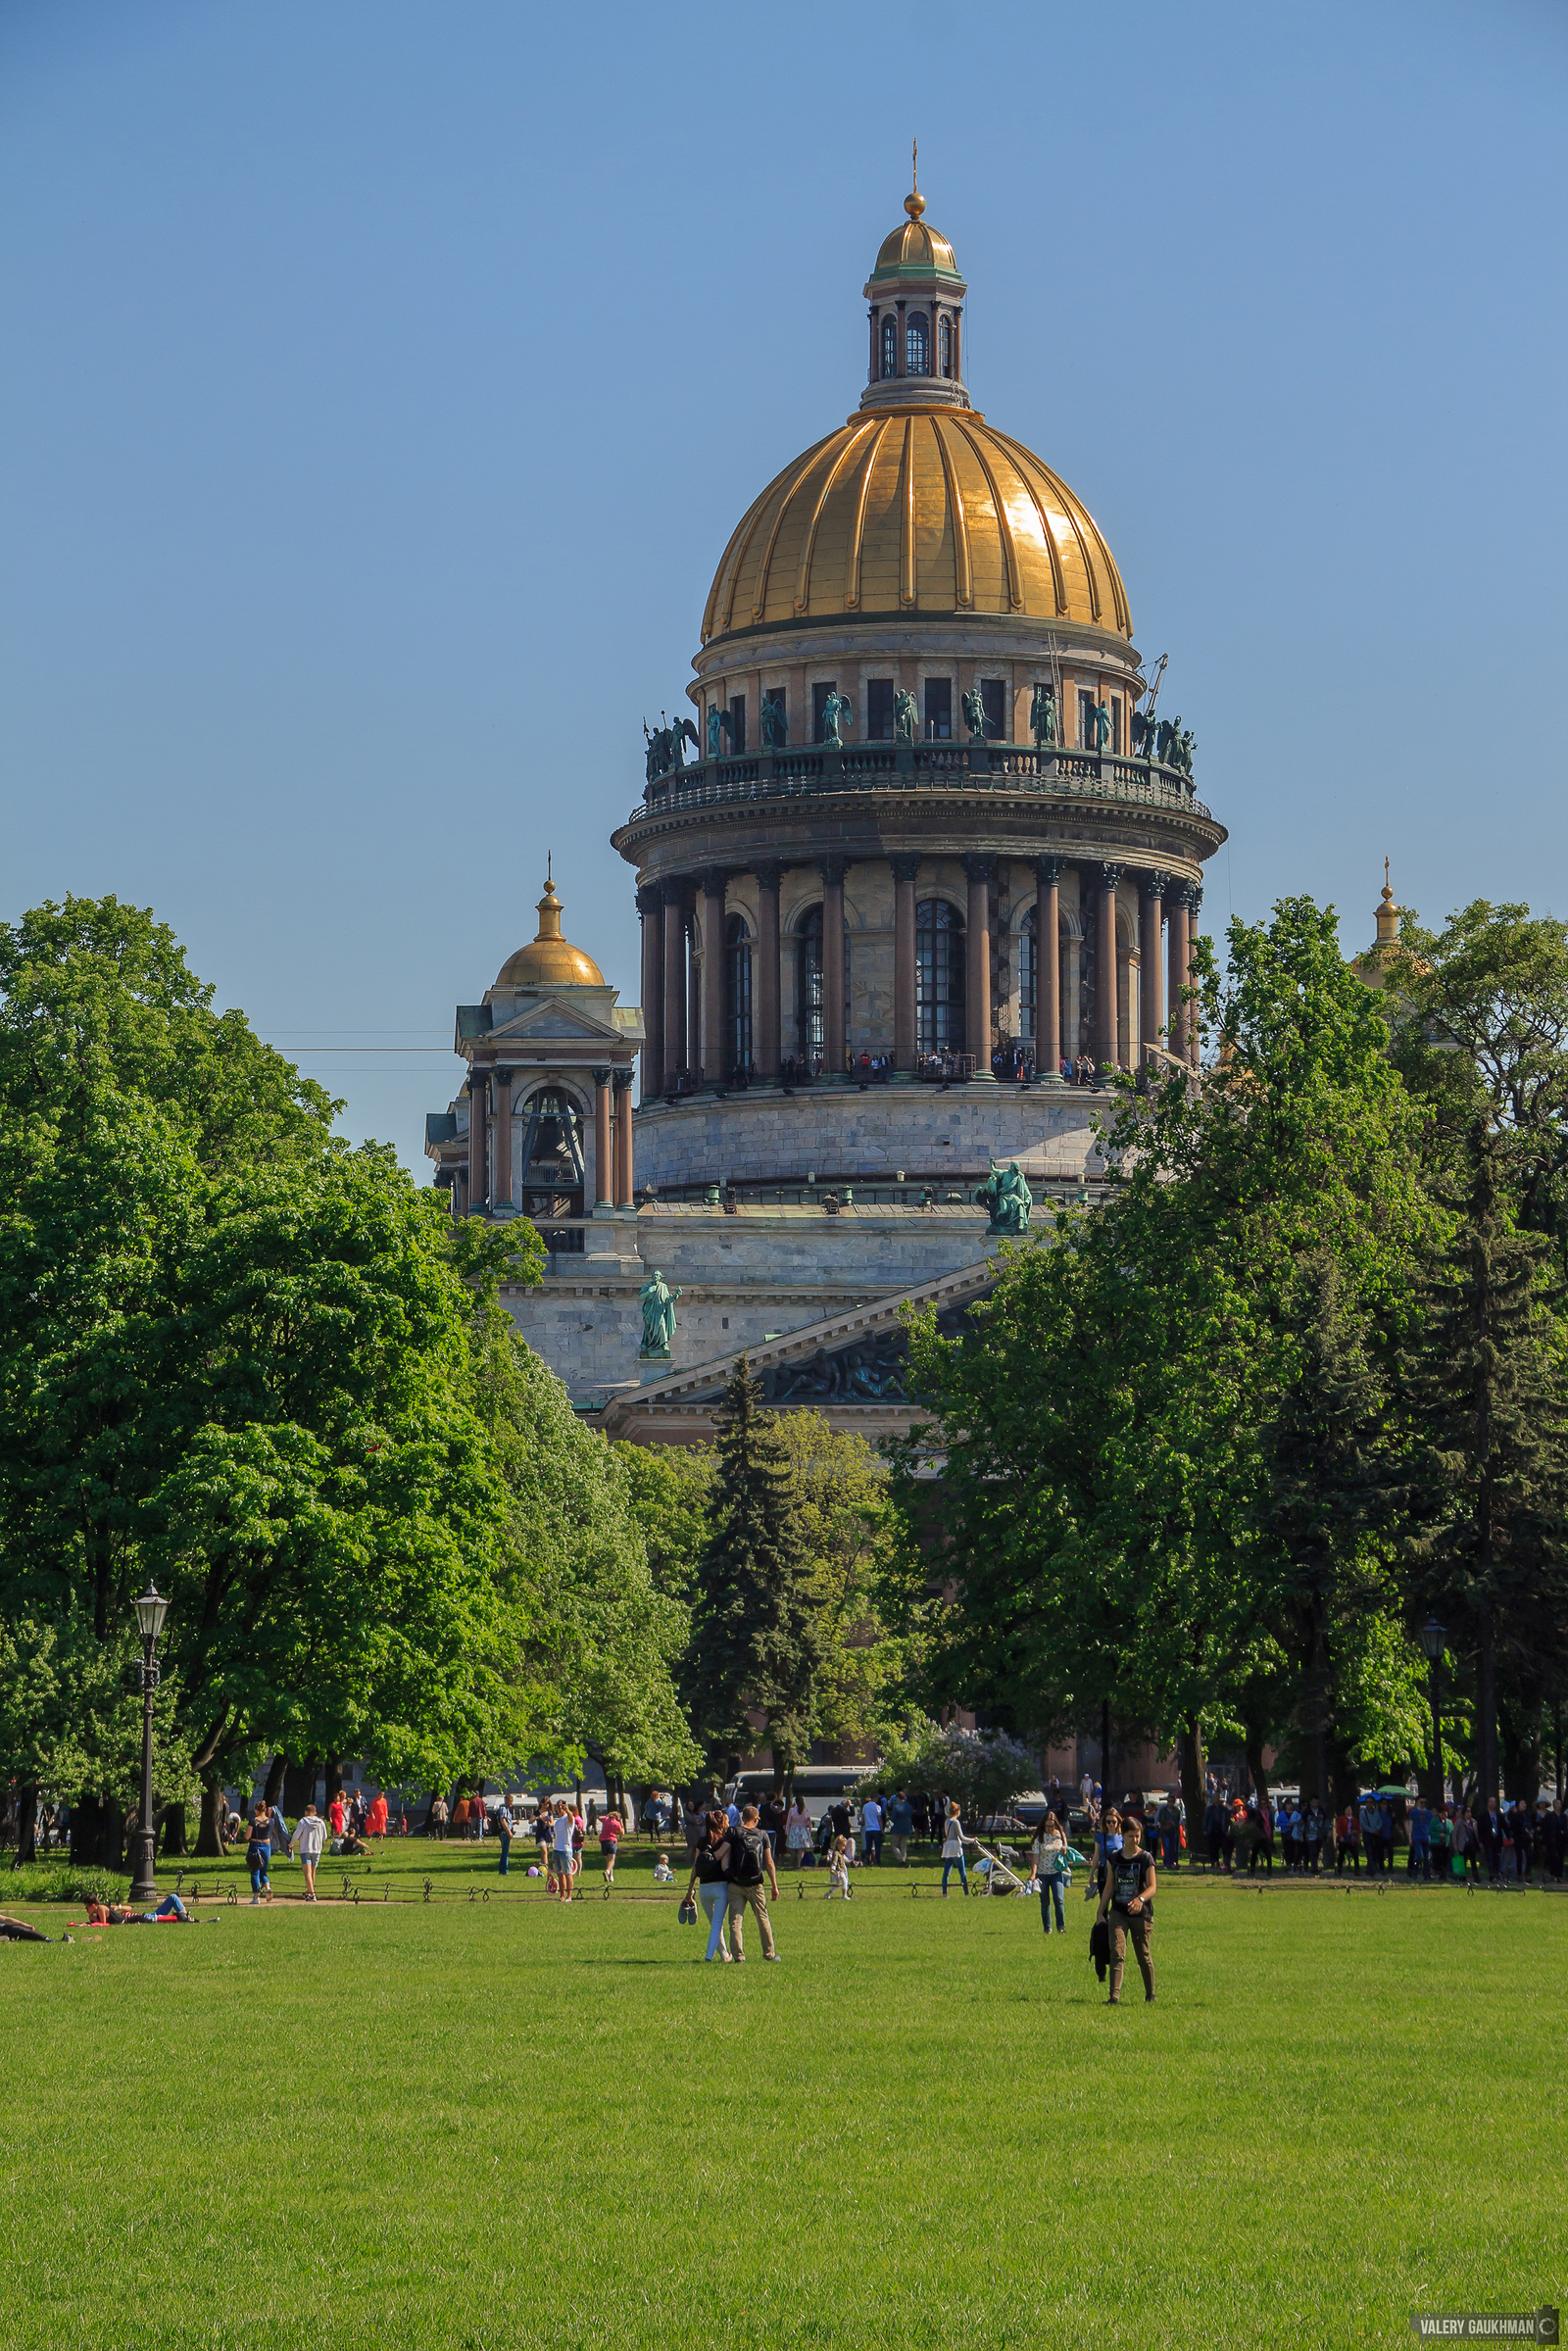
375,1826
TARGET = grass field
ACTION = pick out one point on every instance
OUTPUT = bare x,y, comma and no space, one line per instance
501,2124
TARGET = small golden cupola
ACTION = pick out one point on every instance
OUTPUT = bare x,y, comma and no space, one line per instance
917,316
550,961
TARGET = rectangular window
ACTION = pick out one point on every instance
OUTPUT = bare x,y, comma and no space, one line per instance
993,699
737,725
775,719
819,695
1086,720
938,709
879,711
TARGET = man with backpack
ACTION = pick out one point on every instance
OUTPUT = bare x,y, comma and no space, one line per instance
751,1862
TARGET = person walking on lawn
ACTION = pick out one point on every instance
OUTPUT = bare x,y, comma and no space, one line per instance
1127,1882
900,1825
504,1839
711,1880
750,1860
310,1836
1053,1871
952,1844
258,1851
797,1831
871,1827
610,1826
560,1850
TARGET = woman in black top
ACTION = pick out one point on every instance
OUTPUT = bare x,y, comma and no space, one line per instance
710,1875
1127,1905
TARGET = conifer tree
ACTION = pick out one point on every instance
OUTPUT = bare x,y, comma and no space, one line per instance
1487,1404
755,1643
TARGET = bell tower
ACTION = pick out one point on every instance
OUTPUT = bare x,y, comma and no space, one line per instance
916,317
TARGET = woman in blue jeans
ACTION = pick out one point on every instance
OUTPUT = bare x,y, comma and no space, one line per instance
952,1842
259,1853
1052,1870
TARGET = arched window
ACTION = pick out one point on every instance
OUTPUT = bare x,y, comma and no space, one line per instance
890,346
551,1164
945,345
939,976
1027,968
737,994
918,359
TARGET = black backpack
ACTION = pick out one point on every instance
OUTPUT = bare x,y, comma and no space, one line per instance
748,1847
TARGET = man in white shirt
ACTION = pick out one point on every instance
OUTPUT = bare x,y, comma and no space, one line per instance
871,1828
560,1850
310,1836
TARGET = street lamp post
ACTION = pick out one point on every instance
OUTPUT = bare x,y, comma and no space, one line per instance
150,1611
1433,1637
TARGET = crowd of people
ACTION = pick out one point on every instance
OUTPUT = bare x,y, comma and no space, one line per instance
1444,1842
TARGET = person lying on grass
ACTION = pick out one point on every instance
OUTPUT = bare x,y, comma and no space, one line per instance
170,1912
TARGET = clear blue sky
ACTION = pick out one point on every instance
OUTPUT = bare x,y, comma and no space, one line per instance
383,381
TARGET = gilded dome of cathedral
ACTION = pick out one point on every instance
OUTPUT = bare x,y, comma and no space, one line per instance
910,513
549,960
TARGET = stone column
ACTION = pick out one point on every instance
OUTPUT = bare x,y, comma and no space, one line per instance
905,1015
650,905
694,986
673,894
1194,904
1048,971
1177,950
624,1186
603,1170
835,1044
978,978
1109,967
714,1057
767,977
500,1181
478,1097
1152,887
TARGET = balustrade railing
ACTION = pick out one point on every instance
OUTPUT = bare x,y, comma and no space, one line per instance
917,767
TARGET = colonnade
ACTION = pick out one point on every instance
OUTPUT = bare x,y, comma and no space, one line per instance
613,1175
684,1022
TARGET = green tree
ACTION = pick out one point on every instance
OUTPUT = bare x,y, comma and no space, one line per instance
755,1642
596,1638
1486,1400
1125,1427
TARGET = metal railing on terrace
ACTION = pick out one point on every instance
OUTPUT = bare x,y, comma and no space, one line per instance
917,767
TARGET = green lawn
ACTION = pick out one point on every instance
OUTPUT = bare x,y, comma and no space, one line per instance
505,2124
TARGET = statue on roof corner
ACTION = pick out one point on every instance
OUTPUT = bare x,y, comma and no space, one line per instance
1007,1196
658,1316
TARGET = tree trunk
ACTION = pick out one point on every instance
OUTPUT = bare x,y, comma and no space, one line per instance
274,1779
299,1785
208,1844
1193,1793
26,1822
1255,1763
1486,1704
174,1832
334,1776
1104,1753
1556,1743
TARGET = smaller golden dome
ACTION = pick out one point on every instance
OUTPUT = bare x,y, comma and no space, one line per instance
914,252
550,961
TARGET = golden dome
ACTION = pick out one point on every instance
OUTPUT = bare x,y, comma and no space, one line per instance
921,511
550,962
913,250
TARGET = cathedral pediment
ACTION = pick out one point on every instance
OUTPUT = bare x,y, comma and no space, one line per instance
550,1017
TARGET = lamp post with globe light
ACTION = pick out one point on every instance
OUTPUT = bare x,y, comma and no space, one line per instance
150,1611
1433,1637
